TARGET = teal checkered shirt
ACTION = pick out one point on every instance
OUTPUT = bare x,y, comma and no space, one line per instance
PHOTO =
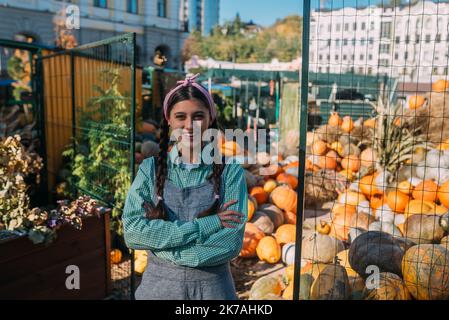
201,242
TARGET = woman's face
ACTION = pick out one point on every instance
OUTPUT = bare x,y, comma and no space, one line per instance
186,115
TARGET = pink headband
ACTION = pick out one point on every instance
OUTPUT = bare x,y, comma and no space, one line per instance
190,81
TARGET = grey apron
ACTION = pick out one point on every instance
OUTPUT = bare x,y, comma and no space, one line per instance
163,279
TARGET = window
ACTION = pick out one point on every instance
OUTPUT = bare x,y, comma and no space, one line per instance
162,8
405,55
132,6
360,69
362,41
371,40
320,69
435,70
396,56
370,70
370,57
385,29
344,57
328,57
417,38
353,41
407,39
438,38
337,42
354,26
336,57
398,39
384,48
384,62
101,3
321,57
338,27
329,42
363,25
345,42
362,57
427,38
372,25
352,56
329,28
346,26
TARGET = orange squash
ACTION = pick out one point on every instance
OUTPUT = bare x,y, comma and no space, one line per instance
284,198
416,101
406,187
347,124
425,270
335,120
289,179
259,194
250,240
269,185
264,287
426,190
116,256
351,162
377,201
351,197
440,85
285,233
319,148
443,194
397,200
368,186
289,217
370,123
268,250
327,162
252,207
323,227
419,207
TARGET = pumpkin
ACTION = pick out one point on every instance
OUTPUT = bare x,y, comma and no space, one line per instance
263,158
285,234
331,284
361,220
318,247
343,260
426,190
140,261
341,209
327,161
335,120
390,287
270,171
291,165
350,148
416,101
259,194
375,248
405,187
230,148
377,201
419,207
290,272
445,242
250,240
269,185
268,250
289,217
252,207
348,174
288,253
264,286
274,213
351,162
426,272
341,223
397,200
319,148
357,285
347,124
284,198
263,222
288,179
367,158
337,147
323,227
423,228
387,227
367,186
443,194
370,123
306,281
440,85
351,198
116,256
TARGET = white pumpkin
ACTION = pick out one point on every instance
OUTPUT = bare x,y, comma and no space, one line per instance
288,253
385,214
382,180
386,227
399,219
364,206
414,181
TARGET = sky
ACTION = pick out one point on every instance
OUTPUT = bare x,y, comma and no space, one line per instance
265,12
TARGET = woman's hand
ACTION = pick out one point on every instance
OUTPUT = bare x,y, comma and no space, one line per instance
229,215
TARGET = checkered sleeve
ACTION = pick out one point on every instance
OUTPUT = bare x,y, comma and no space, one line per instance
152,234
226,244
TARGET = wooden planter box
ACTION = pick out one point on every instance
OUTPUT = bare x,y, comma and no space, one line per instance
30,271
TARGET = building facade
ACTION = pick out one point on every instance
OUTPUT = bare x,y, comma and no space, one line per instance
156,22
201,15
407,42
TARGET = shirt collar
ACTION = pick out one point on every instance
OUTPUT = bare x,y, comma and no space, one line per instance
176,160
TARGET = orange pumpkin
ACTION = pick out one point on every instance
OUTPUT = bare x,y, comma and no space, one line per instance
250,240
426,190
351,198
319,148
370,123
443,194
289,217
285,233
270,185
405,187
351,162
397,200
347,125
420,207
341,209
377,201
341,221
268,250
284,198
368,186
440,85
323,227
335,120
327,162
116,256
416,101
252,206
259,194
289,179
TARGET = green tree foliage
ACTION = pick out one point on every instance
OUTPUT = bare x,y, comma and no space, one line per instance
236,41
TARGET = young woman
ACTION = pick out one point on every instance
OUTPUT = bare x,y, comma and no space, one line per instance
188,214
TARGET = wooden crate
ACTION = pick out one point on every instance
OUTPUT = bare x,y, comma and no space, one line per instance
30,271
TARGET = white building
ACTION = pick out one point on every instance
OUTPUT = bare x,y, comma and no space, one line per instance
157,23
201,15
407,42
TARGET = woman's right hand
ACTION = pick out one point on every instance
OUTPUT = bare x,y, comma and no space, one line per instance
227,216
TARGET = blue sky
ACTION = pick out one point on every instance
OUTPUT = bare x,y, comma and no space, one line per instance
265,12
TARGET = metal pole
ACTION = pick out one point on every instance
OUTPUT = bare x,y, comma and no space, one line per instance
72,79
302,146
